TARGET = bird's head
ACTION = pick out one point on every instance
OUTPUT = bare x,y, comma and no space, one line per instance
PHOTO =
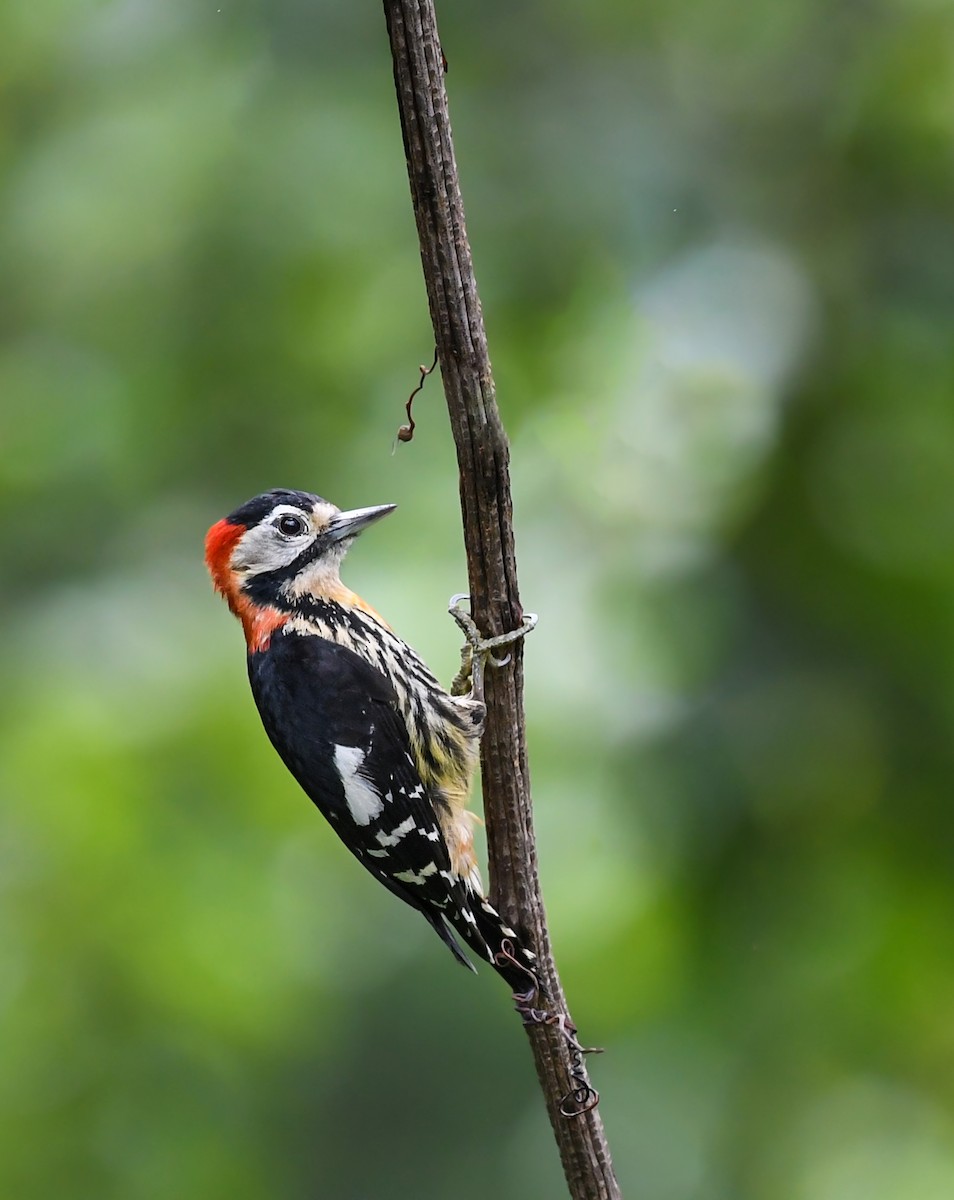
282,545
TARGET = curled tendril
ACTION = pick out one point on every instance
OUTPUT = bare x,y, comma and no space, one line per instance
406,432
582,1097
506,956
579,1100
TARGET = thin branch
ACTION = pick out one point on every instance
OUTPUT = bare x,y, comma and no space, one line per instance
483,459
406,432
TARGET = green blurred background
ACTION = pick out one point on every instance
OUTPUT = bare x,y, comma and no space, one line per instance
716,250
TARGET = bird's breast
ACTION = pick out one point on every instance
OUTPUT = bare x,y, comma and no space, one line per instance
443,732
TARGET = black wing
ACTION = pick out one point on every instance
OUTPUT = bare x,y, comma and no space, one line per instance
334,720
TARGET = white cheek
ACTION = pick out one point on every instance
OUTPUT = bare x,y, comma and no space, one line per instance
262,549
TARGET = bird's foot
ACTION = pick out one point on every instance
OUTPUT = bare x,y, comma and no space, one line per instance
477,651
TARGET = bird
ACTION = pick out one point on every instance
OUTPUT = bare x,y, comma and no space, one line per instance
385,753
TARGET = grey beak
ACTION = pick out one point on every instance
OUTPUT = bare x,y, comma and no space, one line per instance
349,524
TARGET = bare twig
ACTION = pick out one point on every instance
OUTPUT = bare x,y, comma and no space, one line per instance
483,459
406,432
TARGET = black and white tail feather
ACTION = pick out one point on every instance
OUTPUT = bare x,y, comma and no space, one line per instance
487,934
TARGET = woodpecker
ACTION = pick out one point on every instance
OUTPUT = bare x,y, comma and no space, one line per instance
383,751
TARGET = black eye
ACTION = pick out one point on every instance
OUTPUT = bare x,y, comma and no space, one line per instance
290,526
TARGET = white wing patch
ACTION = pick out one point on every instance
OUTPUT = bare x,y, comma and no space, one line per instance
392,838
417,876
363,801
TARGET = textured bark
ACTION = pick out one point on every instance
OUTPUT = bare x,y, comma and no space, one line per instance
483,459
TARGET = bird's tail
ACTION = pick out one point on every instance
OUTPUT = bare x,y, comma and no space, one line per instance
489,935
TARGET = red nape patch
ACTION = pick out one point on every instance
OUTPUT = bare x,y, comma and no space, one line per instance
258,622
220,541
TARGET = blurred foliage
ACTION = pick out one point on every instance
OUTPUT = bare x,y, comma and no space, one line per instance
717,257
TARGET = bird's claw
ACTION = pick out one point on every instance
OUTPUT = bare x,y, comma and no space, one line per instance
477,651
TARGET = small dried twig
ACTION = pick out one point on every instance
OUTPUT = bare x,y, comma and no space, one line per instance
406,432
